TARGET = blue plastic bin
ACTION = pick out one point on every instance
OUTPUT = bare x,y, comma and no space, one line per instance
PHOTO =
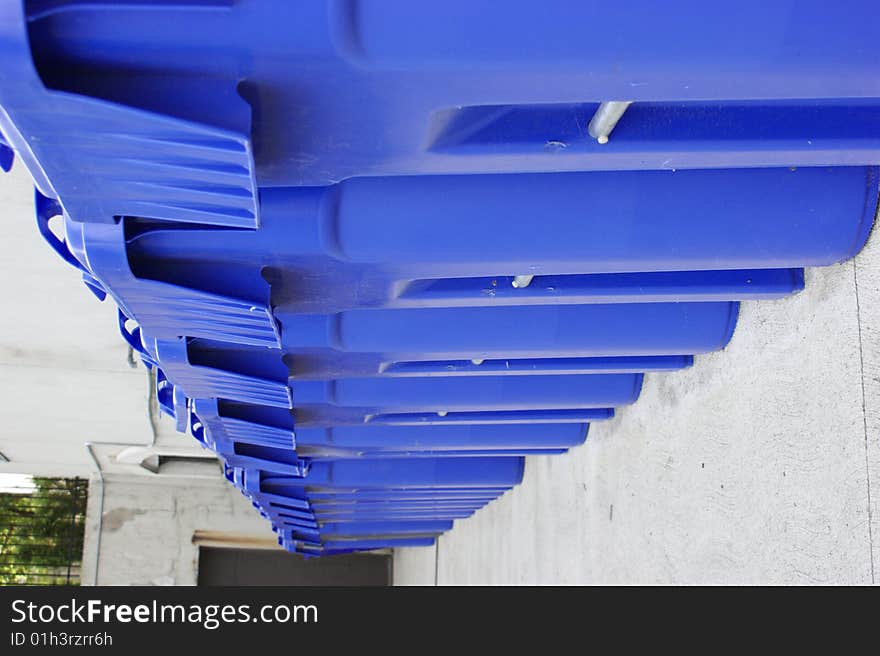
376,251
391,87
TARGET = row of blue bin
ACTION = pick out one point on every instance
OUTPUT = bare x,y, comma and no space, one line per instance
373,250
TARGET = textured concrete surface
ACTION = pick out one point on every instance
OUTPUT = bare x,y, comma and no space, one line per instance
761,464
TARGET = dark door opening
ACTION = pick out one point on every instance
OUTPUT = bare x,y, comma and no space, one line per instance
219,566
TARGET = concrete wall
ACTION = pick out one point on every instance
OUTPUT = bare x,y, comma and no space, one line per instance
148,527
759,464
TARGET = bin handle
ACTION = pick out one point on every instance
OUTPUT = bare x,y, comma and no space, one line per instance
172,401
46,208
7,156
197,428
94,286
133,339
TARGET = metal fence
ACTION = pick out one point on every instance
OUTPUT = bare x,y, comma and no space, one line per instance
41,531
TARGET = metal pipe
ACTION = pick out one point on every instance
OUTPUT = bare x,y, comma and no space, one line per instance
100,513
605,118
521,282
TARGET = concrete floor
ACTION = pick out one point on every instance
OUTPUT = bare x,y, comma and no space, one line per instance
761,464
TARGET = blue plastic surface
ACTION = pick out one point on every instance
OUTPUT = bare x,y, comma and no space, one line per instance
372,251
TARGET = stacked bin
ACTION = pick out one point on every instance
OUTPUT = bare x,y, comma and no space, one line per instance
379,252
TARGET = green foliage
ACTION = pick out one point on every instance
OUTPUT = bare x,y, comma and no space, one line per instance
41,533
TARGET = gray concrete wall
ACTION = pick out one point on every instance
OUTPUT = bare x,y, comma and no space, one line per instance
148,525
761,464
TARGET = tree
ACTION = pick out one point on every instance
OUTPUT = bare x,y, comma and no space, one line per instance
41,533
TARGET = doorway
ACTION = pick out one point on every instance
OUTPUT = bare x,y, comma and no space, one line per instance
230,566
